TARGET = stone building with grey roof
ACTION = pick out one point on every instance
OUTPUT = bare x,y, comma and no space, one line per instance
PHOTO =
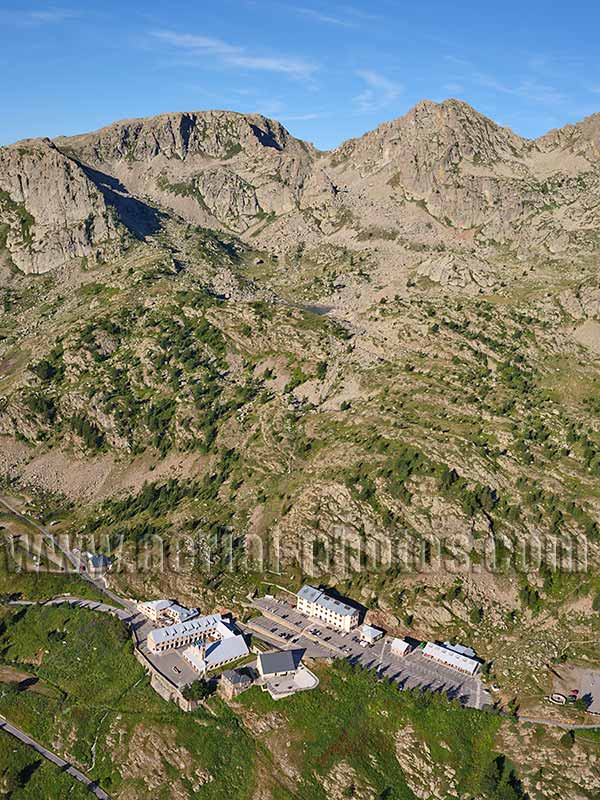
318,604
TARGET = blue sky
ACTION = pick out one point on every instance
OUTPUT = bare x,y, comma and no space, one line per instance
327,70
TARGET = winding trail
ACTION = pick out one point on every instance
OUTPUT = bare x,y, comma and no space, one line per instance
554,723
82,602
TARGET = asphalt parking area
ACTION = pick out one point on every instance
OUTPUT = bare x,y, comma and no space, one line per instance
282,637
409,672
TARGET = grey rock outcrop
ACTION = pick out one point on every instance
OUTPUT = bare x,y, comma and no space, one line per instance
215,168
442,178
50,212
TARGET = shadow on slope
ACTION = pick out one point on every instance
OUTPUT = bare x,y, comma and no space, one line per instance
140,219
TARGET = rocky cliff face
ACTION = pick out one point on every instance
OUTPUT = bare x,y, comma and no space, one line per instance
442,178
50,212
208,134
214,168
448,177
431,140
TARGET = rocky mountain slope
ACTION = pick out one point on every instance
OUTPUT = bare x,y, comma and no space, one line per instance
214,168
442,189
441,178
397,340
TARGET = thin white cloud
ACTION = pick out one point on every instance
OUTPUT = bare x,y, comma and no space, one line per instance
366,16
304,117
528,89
232,55
378,93
457,62
318,16
454,87
556,65
53,14
270,108
33,16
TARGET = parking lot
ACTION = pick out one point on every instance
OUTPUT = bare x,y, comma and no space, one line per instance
282,621
281,637
170,663
577,682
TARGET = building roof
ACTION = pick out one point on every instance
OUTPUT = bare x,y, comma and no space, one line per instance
235,677
198,626
158,605
181,611
216,652
224,630
451,657
321,598
309,593
460,648
370,632
168,605
280,661
401,645
336,605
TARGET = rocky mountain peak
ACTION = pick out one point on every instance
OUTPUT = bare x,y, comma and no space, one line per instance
580,139
219,169
440,176
432,135
206,134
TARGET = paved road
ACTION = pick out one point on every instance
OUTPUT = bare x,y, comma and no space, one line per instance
99,583
48,754
80,602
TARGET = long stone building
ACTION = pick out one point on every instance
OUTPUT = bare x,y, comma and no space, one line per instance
318,604
184,633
